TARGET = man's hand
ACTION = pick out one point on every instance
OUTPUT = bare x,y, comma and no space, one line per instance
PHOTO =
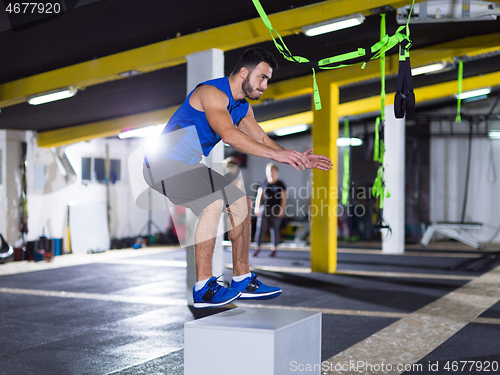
292,157
317,161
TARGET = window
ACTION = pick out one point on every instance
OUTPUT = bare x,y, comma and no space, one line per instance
86,169
115,171
99,169
94,169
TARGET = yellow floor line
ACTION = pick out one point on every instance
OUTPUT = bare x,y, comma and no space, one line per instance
435,253
69,260
148,262
280,269
363,273
406,275
486,320
149,300
374,314
444,253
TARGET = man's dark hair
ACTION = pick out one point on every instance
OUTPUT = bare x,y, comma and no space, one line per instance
253,57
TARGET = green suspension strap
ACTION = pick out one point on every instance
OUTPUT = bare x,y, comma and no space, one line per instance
376,143
458,119
345,183
379,188
404,98
386,43
382,70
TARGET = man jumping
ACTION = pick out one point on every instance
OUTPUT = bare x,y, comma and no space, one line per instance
218,110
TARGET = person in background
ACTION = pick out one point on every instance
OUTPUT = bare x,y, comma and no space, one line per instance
270,208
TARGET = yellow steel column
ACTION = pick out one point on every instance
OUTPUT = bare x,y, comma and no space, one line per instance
324,192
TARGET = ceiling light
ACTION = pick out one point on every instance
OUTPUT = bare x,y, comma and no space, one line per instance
52,96
446,11
148,131
291,130
474,93
475,98
428,68
333,25
344,142
494,134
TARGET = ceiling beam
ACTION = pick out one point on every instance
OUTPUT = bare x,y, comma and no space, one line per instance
372,104
422,94
108,128
172,52
59,137
471,47
283,122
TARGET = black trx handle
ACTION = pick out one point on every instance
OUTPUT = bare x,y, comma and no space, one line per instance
404,100
361,55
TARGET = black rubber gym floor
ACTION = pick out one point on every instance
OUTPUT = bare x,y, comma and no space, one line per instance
92,332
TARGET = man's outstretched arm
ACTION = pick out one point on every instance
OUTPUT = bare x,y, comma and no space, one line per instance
250,127
214,104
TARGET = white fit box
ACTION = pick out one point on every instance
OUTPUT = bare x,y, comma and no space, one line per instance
250,341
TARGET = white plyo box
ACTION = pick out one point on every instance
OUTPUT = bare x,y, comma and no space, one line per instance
253,341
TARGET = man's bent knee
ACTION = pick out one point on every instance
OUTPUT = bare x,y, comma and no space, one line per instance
242,205
240,210
214,208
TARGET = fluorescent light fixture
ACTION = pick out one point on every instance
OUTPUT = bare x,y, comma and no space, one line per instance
475,98
146,132
428,68
333,25
494,134
52,96
291,130
344,142
473,93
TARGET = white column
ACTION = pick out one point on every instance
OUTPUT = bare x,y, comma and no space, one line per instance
3,184
201,67
10,184
394,207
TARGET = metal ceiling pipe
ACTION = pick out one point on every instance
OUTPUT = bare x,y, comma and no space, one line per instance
64,164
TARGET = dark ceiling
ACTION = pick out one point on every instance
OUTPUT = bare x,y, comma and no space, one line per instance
96,28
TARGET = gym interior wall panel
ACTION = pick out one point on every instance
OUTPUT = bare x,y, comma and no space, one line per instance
89,227
12,184
448,166
48,208
297,182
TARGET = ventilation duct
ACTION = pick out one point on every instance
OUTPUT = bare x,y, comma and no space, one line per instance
449,11
64,164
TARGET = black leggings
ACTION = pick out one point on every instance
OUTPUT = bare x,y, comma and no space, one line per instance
264,221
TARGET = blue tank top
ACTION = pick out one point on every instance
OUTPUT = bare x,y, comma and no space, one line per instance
190,129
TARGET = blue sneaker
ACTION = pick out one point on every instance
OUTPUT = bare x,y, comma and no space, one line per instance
213,294
251,288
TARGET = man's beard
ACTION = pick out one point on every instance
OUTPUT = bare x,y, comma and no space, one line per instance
248,89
